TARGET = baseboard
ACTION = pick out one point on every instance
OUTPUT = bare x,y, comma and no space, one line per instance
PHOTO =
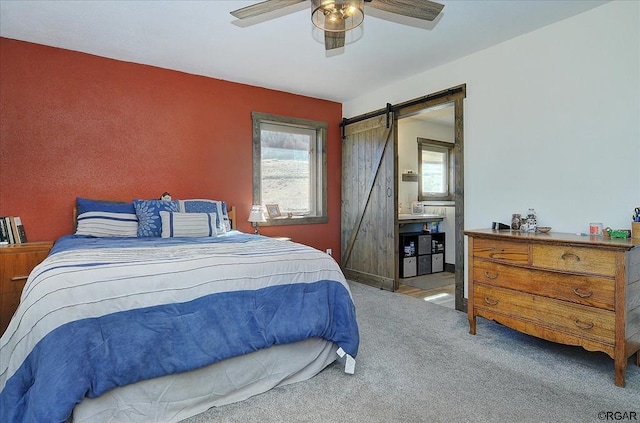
451,268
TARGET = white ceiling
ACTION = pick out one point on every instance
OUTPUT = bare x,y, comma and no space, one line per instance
279,51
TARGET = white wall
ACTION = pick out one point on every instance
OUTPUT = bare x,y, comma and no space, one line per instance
408,132
551,121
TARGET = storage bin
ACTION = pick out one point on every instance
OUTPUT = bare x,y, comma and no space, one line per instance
437,263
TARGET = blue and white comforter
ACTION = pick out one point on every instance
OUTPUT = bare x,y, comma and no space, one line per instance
125,310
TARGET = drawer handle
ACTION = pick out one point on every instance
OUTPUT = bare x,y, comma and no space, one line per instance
490,301
565,256
490,275
582,294
19,278
583,325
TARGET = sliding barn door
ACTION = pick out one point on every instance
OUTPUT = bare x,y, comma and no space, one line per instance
369,250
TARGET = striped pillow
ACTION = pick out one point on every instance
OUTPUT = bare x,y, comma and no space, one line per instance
187,224
209,206
105,218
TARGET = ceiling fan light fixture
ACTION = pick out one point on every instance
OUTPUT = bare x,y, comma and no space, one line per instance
337,15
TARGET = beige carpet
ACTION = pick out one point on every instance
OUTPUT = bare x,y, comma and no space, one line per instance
418,363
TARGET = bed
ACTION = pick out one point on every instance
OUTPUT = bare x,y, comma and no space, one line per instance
161,328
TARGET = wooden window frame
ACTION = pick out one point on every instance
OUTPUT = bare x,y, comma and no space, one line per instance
435,145
318,167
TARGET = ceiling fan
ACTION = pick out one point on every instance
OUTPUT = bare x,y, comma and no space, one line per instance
336,17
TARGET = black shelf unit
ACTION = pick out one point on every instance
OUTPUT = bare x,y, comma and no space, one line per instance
421,253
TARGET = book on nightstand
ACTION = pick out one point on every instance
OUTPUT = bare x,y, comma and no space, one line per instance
12,230
7,225
21,235
4,236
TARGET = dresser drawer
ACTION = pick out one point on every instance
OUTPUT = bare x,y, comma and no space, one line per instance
575,259
510,252
16,263
8,304
585,322
581,289
15,268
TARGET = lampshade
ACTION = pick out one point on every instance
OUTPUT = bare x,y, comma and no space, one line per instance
256,215
337,15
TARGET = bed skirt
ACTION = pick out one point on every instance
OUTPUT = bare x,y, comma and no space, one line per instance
175,397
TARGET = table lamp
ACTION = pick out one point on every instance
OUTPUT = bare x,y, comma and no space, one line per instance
256,215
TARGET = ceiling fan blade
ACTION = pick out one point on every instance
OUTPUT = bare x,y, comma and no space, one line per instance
334,36
262,8
420,9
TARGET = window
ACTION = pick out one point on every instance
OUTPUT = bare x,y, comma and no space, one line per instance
290,167
436,160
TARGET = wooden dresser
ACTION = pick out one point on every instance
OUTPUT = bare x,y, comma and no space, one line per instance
16,262
565,288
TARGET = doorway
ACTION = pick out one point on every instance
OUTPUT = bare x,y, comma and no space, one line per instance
426,168
454,96
370,222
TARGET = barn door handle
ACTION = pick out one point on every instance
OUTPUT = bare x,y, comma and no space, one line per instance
582,294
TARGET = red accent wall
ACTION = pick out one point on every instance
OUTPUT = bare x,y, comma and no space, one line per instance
73,124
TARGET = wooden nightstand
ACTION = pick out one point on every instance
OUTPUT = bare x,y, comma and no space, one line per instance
16,262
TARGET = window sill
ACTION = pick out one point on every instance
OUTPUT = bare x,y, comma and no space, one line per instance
295,220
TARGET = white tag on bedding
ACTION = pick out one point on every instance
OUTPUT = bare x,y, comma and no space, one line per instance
350,362
350,366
